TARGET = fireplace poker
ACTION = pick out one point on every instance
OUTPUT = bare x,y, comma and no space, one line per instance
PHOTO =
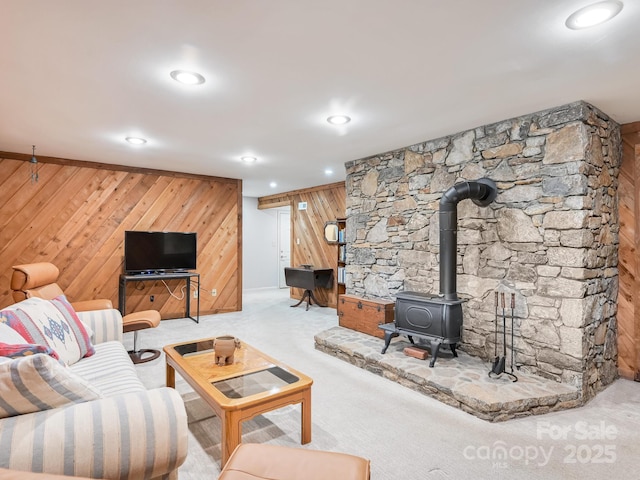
503,360
498,363
495,324
513,307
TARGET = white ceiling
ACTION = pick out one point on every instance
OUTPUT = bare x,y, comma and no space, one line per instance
78,76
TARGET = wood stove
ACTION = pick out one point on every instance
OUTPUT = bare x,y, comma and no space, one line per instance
438,319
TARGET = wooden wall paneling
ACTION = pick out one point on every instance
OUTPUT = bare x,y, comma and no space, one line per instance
13,203
184,209
185,204
627,276
36,217
223,255
626,267
55,215
157,199
324,203
636,297
214,260
111,253
239,240
222,259
139,294
86,257
628,264
225,252
626,341
317,251
76,215
177,194
626,255
83,257
112,250
110,167
165,215
65,244
285,199
30,216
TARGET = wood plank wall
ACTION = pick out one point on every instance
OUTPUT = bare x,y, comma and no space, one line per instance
629,255
324,203
76,214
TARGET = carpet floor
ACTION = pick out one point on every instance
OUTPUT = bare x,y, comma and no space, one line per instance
405,434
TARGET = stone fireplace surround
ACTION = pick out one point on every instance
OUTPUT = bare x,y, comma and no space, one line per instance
550,237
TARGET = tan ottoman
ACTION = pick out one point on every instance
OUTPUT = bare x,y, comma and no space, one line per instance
252,461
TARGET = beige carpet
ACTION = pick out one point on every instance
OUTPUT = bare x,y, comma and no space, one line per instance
406,435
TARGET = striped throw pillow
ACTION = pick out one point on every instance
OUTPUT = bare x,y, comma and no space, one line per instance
38,382
53,323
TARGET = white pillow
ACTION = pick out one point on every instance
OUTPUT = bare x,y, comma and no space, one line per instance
88,329
9,335
39,382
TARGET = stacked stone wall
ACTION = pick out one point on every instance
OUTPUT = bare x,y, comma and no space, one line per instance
550,237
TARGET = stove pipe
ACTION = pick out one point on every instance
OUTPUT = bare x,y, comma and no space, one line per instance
482,192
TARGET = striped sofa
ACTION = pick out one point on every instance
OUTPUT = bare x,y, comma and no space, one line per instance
128,432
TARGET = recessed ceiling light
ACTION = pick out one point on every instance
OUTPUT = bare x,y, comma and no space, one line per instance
328,171
338,119
594,14
273,184
188,78
248,159
136,140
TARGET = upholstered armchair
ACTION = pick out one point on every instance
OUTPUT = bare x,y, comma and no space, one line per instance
39,280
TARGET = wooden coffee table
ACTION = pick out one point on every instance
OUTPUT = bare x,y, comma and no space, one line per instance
254,384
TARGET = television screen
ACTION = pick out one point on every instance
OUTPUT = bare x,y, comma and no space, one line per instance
159,251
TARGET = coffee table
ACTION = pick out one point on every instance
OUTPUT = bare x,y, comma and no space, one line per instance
254,384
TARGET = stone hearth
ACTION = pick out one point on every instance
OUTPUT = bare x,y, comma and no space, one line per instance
461,382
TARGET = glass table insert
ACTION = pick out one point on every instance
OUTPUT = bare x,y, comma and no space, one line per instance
195,348
270,379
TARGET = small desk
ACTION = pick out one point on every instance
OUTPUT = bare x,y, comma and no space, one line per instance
309,279
147,277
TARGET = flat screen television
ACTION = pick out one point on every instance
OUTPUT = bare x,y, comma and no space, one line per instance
158,252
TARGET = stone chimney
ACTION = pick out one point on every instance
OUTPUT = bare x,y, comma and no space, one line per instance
550,236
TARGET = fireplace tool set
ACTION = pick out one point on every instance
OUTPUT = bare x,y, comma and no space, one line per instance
499,363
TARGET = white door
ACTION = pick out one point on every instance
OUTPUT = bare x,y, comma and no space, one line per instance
284,244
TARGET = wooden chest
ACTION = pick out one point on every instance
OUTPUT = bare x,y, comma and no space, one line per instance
364,315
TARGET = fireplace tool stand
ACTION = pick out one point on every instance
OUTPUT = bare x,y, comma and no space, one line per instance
498,367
